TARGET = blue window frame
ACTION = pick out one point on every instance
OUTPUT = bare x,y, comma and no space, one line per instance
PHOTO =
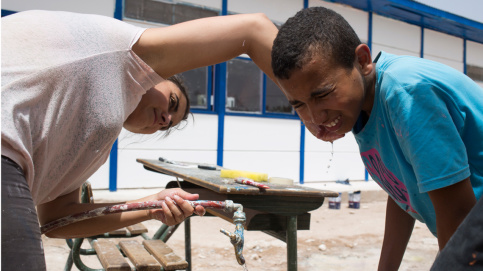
254,93
250,92
199,83
244,86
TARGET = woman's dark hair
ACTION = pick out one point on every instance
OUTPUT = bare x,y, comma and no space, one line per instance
178,81
314,31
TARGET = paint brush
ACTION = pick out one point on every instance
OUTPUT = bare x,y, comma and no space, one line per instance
251,182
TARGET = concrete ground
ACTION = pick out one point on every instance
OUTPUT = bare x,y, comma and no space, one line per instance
344,239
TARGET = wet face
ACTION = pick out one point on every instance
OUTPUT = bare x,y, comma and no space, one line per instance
161,108
328,100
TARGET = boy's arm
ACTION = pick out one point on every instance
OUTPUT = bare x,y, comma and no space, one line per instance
451,204
398,229
185,46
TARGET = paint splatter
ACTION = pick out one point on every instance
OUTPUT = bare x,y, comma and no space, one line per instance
474,257
251,182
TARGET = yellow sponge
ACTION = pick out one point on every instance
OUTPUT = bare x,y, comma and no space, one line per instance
256,176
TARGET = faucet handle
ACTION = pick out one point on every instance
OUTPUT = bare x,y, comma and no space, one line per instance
232,236
237,242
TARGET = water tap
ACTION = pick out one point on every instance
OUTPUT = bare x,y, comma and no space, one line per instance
237,238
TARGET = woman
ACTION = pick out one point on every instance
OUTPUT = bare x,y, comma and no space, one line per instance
70,82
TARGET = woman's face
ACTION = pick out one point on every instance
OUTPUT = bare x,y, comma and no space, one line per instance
161,108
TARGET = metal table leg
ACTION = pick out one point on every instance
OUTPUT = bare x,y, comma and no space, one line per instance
187,242
292,243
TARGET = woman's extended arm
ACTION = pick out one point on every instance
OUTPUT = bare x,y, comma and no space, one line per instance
193,44
70,204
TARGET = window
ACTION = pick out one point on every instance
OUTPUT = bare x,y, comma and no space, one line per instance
165,12
276,102
199,84
244,86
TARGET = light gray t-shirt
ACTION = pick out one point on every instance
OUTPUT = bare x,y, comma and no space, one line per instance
69,81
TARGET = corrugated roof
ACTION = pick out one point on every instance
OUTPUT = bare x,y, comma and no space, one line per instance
421,15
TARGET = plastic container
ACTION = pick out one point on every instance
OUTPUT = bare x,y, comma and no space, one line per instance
355,200
334,203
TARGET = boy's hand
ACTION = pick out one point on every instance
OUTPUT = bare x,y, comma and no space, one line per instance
175,208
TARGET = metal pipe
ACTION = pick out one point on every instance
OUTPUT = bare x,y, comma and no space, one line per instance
239,219
227,206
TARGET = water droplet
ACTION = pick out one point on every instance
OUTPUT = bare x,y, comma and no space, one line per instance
331,157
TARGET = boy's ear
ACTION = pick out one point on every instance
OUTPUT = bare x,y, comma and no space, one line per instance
364,59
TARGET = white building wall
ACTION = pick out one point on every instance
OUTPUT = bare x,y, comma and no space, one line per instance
274,9
322,165
474,56
474,53
196,142
443,48
405,41
263,145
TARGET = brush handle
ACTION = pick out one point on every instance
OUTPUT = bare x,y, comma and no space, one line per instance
251,182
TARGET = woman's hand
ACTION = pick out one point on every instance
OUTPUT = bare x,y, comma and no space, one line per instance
175,206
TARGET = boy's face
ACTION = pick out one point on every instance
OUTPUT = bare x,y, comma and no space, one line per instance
327,99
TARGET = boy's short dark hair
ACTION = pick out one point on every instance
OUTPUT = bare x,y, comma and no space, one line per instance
312,31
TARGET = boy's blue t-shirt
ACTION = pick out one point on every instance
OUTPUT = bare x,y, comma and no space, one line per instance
425,132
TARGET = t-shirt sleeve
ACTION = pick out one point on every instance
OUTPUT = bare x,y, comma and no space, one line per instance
428,136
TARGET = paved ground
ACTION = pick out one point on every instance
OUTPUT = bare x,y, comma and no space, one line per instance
345,239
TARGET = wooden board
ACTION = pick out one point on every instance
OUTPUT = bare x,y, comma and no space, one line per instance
137,229
140,257
110,256
211,179
165,255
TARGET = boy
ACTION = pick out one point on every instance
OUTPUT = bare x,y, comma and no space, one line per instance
418,123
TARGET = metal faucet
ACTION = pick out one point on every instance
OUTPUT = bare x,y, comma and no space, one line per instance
228,206
236,238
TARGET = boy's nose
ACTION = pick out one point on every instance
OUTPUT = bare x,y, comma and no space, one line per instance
318,117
